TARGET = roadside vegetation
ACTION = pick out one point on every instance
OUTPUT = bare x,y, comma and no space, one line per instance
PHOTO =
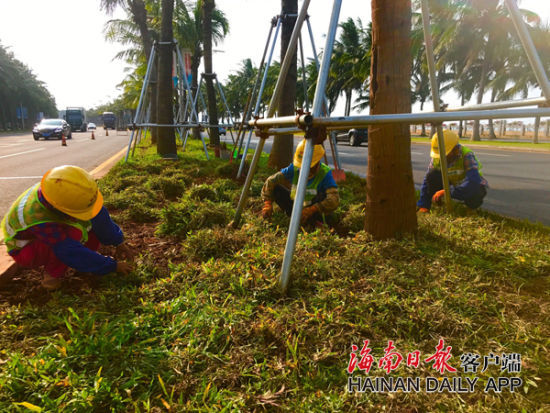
500,143
200,324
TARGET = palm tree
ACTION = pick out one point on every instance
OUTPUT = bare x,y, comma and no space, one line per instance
390,208
238,85
207,7
350,63
482,36
138,12
188,31
283,145
166,146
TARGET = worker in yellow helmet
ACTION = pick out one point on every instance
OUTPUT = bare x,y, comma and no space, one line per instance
464,171
59,223
321,196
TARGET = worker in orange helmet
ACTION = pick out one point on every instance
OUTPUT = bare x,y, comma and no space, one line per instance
60,223
464,172
321,196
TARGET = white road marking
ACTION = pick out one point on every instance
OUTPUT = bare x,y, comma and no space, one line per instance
9,145
22,153
19,177
417,153
492,154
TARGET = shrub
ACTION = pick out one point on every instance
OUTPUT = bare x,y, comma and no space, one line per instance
214,243
228,170
202,192
170,186
354,219
180,218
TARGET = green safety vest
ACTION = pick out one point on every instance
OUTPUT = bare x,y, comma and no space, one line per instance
311,189
28,211
456,171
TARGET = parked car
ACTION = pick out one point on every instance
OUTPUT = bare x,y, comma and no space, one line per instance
91,126
52,128
354,137
221,130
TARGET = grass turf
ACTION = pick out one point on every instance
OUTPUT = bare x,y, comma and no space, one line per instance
200,325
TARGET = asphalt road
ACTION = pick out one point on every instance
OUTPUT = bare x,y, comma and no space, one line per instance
519,181
23,160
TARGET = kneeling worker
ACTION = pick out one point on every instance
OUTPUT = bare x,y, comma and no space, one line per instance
321,196
60,223
464,171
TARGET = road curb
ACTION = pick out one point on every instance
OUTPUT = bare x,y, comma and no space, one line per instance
103,168
8,268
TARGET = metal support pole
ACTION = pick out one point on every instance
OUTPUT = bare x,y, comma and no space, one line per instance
337,122
226,107
308,152
435,97
141,96
288,59
198,92
335,153
529,47
304,82
260,94
272,106
501,105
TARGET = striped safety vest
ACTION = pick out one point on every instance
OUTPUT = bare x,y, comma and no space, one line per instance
28,211
456,172
311,189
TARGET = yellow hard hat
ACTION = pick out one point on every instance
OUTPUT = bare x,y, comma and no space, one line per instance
73,191
451,140
318,153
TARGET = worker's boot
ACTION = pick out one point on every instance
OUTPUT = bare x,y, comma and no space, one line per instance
51,283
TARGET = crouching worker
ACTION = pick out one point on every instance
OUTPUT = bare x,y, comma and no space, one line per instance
464,171
321,196
60,223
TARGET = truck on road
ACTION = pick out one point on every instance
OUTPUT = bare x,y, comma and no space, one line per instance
76,117
109,120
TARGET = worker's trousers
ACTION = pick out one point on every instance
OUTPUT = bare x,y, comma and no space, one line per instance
435,183
281,195
37,254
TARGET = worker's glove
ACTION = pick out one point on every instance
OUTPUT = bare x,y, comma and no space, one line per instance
124,251
423,210
308,212
124,267
267,210
438,196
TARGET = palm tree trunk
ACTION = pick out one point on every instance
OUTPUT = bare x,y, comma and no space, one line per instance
207,7
166,146
491,126
423,133
390,208
481,90
348,102
139,16
283,145
537,127
196,60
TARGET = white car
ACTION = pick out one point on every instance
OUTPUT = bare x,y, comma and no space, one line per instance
91,126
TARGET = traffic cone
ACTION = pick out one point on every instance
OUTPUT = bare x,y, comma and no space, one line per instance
63,140
93,136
